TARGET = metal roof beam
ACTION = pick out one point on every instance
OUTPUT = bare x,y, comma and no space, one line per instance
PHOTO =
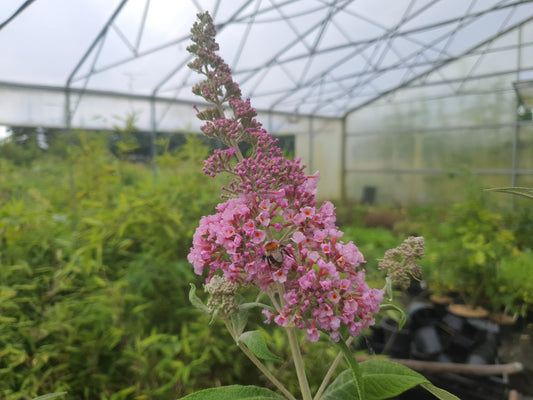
99,37
439,65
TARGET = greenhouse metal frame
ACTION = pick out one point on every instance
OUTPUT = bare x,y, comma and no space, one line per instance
375,92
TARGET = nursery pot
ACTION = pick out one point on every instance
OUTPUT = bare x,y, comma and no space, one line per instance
421,314
397,341
466,311
440,304
486,352
507,324
426,344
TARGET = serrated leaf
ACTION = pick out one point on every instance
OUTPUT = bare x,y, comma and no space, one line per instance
384,379
234,392
196,301
438,392
50,396
519,191
256,343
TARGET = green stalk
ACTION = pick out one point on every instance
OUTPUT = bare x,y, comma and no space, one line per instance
330,372
266,372
354,367
259,364
299,364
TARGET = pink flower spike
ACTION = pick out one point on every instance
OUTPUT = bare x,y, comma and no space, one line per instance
270,198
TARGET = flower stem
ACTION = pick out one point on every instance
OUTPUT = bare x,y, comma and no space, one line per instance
298,364
259,364
330,372
266,372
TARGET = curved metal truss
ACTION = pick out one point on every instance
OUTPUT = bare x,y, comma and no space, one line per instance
306,57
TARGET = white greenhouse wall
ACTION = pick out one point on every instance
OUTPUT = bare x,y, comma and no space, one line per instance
413,145
318,141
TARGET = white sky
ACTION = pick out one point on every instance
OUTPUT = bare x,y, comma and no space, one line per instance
3,132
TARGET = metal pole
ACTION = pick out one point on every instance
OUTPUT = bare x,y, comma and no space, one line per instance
310,167
68,115
343,150
153,135
516,136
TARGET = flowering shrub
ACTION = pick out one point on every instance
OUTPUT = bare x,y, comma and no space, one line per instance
270,233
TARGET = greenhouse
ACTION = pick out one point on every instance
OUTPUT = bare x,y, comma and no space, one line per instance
387,88
383,129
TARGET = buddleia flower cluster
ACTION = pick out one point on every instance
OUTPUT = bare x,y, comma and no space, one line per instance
315,281
401,263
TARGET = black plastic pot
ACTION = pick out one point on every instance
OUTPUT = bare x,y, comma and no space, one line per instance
486,352
426,343
421,314
397,341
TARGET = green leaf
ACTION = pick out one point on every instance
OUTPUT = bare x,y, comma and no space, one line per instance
384,379
519,191
394,307
196,301
256,343
357,378
238,321
341,388
438,392
235,392
50,396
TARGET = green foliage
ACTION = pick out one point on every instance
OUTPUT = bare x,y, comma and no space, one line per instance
256,343
93,282
21,148
514,279
467,249
381,380
467,246
125,142
235,392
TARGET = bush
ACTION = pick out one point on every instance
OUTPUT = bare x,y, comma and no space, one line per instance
93,286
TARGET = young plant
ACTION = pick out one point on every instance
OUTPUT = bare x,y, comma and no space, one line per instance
270,234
